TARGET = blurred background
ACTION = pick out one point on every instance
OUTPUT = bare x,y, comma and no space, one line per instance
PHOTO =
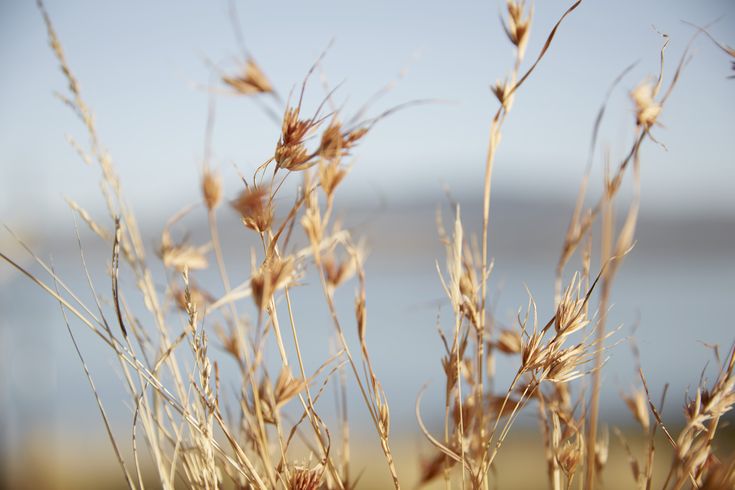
145,68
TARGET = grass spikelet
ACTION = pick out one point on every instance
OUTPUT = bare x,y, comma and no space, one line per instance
518,27
637,403
211,188
647,109
509,341
305,478
252,81
291,152
255,207
275,273
181,256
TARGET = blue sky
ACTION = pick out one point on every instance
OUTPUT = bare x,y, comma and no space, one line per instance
141,65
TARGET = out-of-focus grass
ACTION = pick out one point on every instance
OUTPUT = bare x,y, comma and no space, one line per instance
519,465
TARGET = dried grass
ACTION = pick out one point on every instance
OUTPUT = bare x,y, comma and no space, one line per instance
196,439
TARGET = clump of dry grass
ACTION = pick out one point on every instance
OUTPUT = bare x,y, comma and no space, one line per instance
477,418
195,436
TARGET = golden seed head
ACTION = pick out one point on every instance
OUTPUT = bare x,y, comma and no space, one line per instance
332,142
637,403
532,352
468,282
337,272
304,478
569,455
291,154
337,143
354,136
563,364
311,221
518,28
330,176
211,188
181,257
231,342
503,94
253,81
293,157
198,297
184,257
509,341
647,109
287,387
361,317
255,208
571,314
273,274
383,412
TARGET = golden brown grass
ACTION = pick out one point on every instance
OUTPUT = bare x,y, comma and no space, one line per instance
197,436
